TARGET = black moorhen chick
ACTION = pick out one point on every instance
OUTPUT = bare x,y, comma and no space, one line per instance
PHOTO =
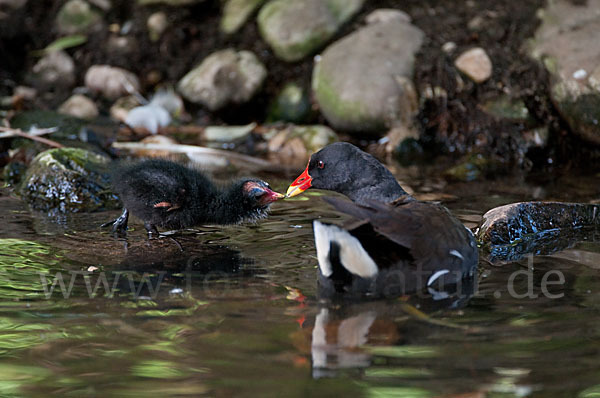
398,245
169,195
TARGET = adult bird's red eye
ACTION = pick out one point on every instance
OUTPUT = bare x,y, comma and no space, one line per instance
320,164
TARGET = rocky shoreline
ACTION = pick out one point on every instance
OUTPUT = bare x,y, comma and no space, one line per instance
496,87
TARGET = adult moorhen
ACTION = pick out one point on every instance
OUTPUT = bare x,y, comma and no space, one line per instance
398,244
169,195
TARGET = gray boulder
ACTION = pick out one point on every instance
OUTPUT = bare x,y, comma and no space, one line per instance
363,82
567,43
111,81
224,77
54,69
297,28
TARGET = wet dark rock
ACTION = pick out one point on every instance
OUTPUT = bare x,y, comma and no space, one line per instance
541,244
297,28
510,223
409,151
13,172
291,105
512,231
378,59
68,180
224,77
567,44
77,16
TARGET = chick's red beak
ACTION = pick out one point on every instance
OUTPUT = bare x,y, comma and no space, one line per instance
300,184
270,196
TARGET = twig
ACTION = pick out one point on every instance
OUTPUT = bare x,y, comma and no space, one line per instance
34,136
216,155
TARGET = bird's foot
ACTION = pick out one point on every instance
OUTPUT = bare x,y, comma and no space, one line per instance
154,234
119,225
152,231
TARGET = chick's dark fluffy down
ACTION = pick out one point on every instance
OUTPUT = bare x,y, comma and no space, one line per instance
170,195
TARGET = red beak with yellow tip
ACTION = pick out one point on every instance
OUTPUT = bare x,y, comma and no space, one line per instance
272,196
300,184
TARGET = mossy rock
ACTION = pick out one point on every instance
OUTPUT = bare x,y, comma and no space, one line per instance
70,131
473,167
292,105
236,13
68,180
295,29
379,61
67,126
77,16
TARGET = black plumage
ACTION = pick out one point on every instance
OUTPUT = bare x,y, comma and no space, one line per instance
397,244
169,195
342,167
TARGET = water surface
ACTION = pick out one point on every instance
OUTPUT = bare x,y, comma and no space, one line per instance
236,313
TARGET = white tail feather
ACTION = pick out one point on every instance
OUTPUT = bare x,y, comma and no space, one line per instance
352,255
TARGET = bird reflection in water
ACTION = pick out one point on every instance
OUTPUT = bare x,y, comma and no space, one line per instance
201,270
343,328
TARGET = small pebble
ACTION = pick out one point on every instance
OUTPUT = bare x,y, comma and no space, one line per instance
449,47
476,64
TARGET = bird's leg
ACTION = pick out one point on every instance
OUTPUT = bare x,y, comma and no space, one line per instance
152,231
119,225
